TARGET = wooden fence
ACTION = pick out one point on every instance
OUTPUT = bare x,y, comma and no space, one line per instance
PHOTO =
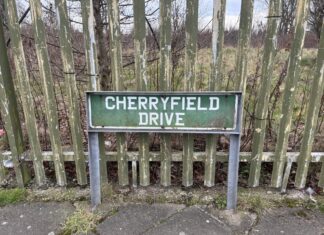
282,160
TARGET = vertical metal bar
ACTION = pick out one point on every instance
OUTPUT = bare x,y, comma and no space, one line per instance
165,84
269,53
312,116
94,168
25,93
92,70
117,77
288,103
71,88
233,166
142,84
191,27
48,86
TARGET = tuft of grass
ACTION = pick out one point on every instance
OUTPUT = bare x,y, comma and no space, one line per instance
12,196
321,207
81,221
220,202
190,201
291,202
254,203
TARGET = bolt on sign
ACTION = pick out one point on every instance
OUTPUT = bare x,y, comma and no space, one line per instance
164,112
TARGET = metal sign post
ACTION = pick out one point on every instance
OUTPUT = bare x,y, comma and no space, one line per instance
165,112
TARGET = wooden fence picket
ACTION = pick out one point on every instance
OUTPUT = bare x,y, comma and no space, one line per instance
3,172
311,119
9,110
48,86
215,83
71,88
142,84
246,16
117,78
191,28
165,84
293,75
26,96
270,47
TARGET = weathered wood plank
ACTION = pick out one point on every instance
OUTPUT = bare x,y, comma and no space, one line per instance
142,83
210,161
316,157
269,53
217,70
165,84
312,117
9,111
215,83
2,171
117,77
92,70
292,78
321,180
191,27
134,173
246,16
286,176
26,98
48,86
71,88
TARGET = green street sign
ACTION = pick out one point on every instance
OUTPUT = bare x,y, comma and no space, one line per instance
204,112
176,112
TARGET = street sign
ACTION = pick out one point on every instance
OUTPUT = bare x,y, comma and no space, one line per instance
176,112
163,112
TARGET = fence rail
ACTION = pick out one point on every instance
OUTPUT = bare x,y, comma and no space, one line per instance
133,157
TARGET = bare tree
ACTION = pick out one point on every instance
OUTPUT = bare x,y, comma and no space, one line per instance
287,16
316,16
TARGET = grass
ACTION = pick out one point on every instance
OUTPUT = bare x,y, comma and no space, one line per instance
12,196
220,202
321,207
254,203
82,221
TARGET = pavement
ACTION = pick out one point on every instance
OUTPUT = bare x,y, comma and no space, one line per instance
48,218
